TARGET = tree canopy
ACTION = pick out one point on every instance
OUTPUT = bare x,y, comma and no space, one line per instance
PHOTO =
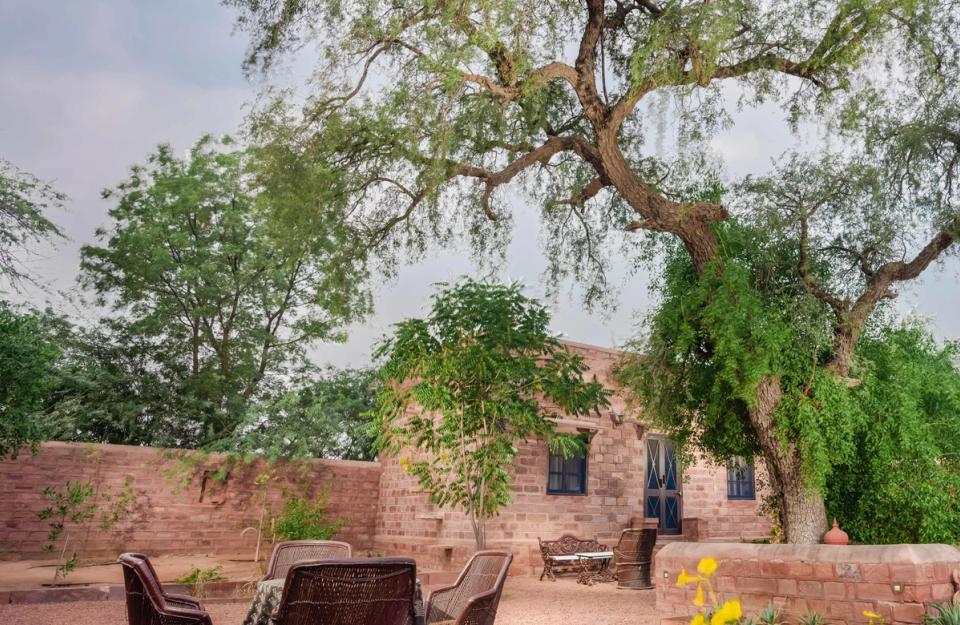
464,386
27,356
422,113
209,302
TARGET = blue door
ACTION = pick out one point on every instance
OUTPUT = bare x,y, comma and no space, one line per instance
662,485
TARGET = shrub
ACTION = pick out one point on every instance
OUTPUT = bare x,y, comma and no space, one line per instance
306,520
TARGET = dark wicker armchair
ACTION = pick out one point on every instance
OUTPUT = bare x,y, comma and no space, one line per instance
147,604
372,591
286,554
474,597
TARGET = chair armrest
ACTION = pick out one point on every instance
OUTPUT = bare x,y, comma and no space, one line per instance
186,614
183,601
438,605
479,603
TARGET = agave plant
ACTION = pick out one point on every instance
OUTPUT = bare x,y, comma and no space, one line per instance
946,614
770,615
811,618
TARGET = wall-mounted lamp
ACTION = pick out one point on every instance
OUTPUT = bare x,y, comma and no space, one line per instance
666,575
897,586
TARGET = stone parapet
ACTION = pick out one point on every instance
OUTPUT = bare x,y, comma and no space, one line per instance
899,582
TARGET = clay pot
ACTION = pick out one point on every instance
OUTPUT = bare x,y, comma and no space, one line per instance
836,536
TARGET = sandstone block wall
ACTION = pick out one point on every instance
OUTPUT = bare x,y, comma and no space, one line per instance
899,582
177,507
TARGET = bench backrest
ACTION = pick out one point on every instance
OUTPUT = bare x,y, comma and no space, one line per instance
569,544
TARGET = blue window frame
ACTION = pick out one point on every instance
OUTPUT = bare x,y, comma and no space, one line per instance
567,476
740,481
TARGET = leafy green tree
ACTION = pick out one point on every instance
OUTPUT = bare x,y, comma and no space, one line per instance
327,418
23,200
27,357
422,113
901,483
463,387
222,309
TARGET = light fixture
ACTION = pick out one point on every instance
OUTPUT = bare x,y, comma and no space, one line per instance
897,586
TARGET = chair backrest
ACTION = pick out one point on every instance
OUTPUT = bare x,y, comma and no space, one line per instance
374,591
474,598
629,542
145,599
288,553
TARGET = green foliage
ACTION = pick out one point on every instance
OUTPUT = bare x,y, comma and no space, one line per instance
304,519
198,578
770,615
23,201
327,418
71,504
205,303
717,334
811,618
28,354
900,486
946,614
466,385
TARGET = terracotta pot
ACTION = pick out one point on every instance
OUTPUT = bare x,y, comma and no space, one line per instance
836,536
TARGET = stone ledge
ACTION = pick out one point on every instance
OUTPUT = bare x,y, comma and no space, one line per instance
898,582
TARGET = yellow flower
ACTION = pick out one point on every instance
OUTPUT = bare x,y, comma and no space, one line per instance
869,614
698,599
683,579
729,612
707,566
697,620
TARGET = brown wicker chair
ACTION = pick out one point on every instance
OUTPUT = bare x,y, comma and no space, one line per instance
147,604
633,558
371,591
474,597
286,554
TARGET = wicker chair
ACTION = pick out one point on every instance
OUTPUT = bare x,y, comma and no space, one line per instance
286,554
633,558
474,597
372,591
147,604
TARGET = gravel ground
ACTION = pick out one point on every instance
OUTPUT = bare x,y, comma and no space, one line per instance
525,601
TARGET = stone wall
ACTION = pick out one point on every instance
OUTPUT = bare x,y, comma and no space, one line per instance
408,525
177,507
899,582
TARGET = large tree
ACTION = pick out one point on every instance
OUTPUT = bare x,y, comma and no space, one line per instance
193,275
423,111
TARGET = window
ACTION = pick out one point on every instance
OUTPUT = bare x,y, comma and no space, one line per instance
740,483
567,476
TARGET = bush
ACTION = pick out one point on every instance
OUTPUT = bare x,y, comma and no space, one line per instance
306,520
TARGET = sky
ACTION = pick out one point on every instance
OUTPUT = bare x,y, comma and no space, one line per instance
88,89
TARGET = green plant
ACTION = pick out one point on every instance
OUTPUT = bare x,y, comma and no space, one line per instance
118,505
946,614
68,505
811,618
770,615
303,519
465,387
198,578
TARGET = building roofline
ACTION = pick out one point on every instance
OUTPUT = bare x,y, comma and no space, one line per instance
599,348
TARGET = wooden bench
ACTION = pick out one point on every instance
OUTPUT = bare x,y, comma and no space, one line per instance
559,555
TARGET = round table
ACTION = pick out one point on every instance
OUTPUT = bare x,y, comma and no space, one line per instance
267,597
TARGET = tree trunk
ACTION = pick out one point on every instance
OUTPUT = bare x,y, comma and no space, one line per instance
802,512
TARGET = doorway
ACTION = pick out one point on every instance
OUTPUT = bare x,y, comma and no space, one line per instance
662,496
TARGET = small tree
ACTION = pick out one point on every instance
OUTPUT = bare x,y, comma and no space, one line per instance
467,384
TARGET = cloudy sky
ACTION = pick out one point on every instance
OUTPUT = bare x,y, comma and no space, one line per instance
89,88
